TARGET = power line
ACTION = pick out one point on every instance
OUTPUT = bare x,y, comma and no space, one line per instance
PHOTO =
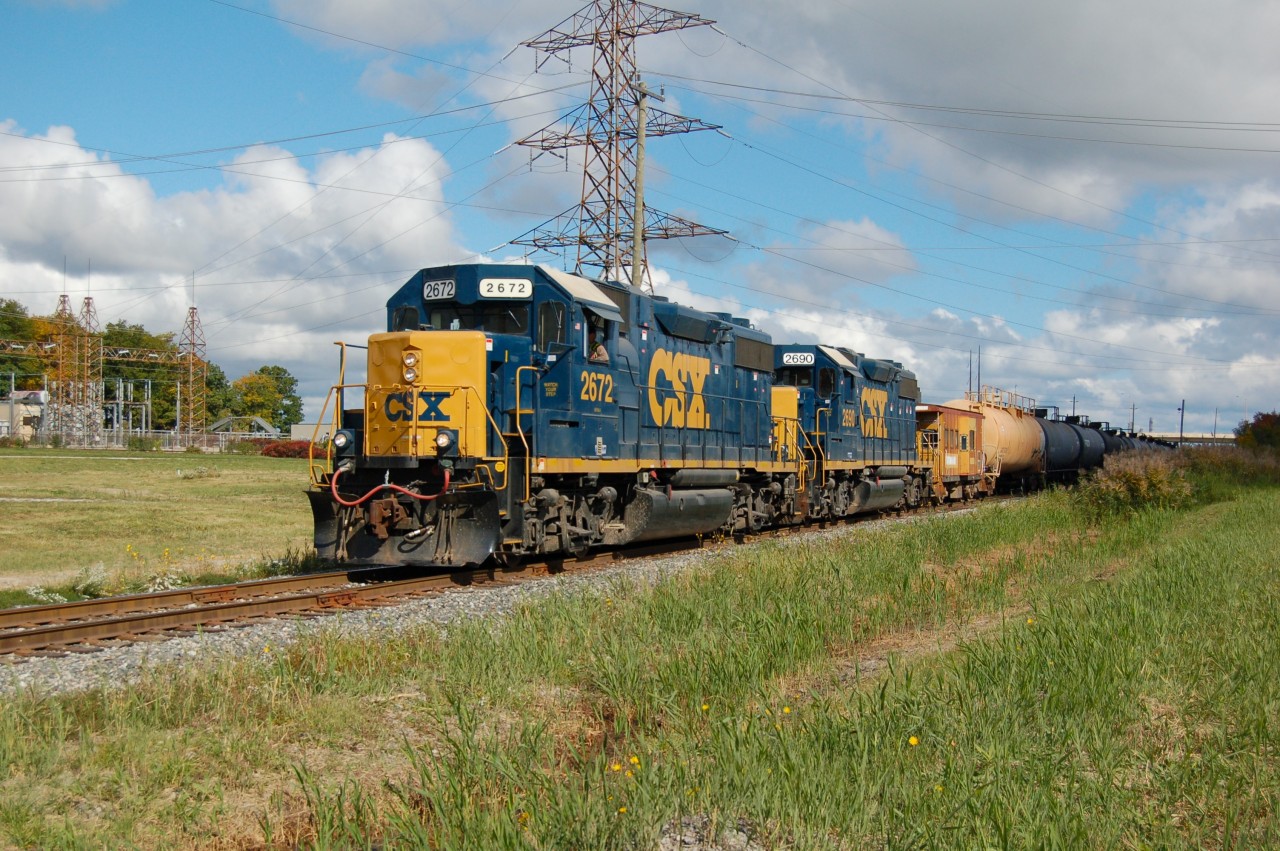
998,243
825,307
185,166
819,247
961,149
1165,123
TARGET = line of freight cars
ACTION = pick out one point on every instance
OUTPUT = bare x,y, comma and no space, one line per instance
513,410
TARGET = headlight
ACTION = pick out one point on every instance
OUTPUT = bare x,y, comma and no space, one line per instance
344,443
444,439
409,358
410,374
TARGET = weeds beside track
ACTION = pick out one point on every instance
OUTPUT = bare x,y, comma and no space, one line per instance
1111,684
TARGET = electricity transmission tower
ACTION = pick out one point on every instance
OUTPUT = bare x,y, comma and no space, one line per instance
63,349
74,411
195,370
88,386
610,223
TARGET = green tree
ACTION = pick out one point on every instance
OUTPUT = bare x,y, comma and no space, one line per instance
24,369
1262,430
150,358
270,392
288,409
255,395
221,399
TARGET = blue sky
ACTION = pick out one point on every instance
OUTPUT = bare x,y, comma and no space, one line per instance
1089,194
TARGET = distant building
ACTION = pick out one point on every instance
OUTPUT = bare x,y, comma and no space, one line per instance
306,431
22,412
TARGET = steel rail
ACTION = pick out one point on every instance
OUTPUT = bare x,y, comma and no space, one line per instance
173,598
59,637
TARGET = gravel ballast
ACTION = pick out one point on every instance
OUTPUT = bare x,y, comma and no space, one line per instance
127,663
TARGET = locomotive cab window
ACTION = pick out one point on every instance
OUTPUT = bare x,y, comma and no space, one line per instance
404,318
551,324
795,376
493,318
826,382
597,336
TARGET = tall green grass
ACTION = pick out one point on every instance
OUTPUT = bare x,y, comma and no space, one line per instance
1008,678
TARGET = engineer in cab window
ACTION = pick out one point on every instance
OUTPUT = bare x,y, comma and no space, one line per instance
595,348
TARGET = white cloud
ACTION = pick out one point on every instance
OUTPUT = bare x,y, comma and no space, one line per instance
268,244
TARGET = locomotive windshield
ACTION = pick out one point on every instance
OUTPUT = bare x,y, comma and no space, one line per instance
795,376
491,318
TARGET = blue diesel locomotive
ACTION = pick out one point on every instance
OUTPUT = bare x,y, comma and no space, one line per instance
513,410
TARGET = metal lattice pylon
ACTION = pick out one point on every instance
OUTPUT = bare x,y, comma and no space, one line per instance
195,370
610,130
74,369
62,350
88,388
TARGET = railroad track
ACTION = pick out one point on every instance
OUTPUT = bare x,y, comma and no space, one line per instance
90,626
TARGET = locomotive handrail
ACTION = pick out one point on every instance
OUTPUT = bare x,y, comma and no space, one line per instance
338,391
791,428
342,379
327,466
804,458
686,435
528,452
468,391
820,455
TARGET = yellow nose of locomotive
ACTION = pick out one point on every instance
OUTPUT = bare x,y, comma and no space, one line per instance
426,392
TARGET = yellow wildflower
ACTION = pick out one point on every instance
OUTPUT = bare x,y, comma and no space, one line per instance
622,810
913,741
786,710
635,760
706,706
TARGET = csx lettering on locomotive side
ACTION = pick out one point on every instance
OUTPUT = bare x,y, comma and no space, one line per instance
675,389
398,409
874,402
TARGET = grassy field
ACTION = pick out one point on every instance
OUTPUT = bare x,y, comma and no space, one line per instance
118,520
1076,670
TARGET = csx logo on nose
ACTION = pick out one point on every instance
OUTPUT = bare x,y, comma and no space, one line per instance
398,408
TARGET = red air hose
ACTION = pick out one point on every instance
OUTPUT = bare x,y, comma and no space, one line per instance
333,489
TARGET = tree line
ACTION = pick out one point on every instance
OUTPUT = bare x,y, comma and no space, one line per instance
269,392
